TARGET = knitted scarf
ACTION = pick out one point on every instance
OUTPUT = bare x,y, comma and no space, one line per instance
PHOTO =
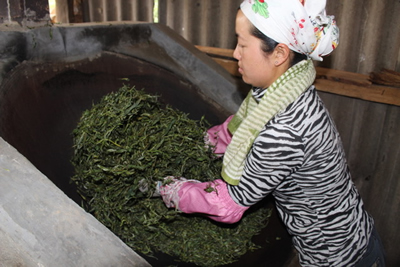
252,116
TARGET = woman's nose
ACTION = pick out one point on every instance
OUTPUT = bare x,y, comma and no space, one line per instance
236,53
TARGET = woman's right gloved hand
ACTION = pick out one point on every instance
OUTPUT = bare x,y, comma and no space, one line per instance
219,137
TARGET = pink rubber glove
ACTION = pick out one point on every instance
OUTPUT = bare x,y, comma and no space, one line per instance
169,192
220,137
209,198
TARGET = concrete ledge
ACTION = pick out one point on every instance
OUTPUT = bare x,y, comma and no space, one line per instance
41,226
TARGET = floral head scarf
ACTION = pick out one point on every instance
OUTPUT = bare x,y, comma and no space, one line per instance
305,29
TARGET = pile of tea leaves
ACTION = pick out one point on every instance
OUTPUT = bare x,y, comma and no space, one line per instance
129,139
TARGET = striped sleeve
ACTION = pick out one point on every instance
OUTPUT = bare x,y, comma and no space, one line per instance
277,152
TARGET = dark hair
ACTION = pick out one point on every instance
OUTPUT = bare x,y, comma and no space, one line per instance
268,45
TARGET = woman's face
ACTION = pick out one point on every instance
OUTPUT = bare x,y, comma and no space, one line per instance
257,68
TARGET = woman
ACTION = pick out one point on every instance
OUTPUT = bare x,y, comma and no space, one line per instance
282,141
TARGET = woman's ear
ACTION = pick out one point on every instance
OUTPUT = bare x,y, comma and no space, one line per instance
281,54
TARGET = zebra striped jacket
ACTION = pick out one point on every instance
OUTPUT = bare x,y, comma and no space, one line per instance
298,157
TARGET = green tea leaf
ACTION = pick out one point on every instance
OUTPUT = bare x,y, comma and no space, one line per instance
128,137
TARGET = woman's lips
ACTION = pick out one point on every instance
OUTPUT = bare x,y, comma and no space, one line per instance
240,70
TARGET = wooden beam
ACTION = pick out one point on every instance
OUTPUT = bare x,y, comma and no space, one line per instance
328,80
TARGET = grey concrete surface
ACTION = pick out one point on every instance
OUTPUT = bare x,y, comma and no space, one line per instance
41,226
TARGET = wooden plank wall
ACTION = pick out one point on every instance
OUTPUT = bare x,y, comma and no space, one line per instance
369,30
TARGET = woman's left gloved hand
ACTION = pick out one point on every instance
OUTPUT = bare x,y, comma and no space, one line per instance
211,198
169,190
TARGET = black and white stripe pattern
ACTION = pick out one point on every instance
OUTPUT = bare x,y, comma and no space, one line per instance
298,157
